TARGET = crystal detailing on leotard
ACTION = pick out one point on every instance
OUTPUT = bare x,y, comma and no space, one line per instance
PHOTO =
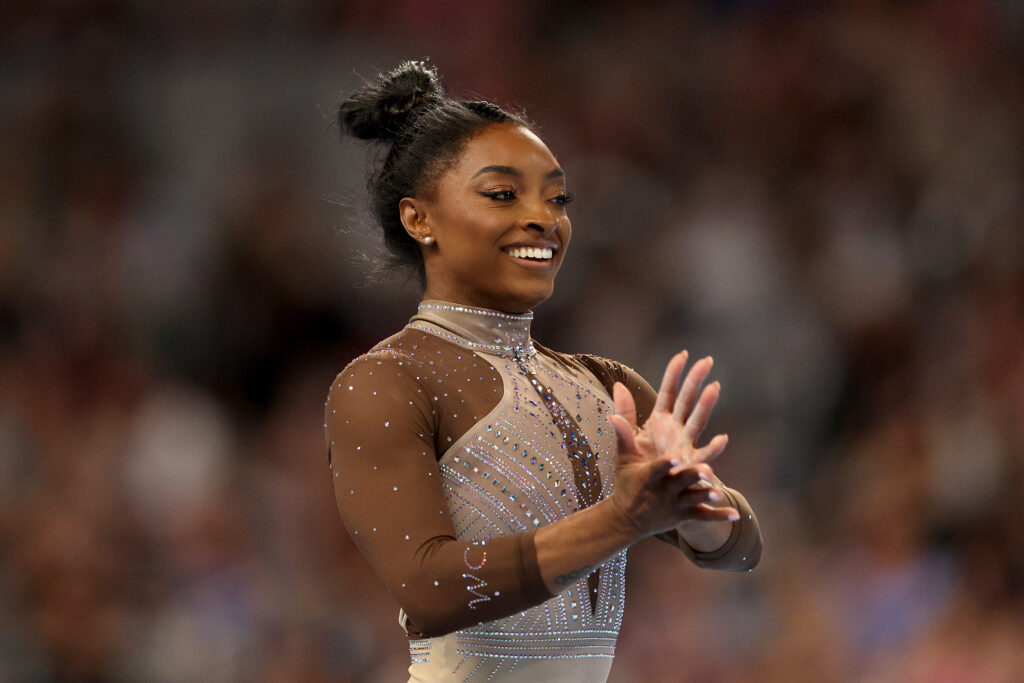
548,645
474,311
516,470
513,473
479,329
419,651
586,474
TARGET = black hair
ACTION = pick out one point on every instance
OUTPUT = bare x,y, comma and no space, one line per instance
409,110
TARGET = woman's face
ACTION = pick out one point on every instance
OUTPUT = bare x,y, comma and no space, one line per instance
498,223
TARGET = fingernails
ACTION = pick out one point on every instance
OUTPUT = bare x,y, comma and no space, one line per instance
703,477
715,496
734,516
676,462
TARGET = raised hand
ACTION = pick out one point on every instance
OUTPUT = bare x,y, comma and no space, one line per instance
663,479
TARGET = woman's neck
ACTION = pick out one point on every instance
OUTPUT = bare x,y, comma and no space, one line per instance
481,329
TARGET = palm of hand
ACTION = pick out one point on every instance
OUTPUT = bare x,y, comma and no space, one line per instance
675,423
662,435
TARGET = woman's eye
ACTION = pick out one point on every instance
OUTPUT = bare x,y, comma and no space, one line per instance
500,195
564,198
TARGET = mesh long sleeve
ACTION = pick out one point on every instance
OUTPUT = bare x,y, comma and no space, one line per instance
383,435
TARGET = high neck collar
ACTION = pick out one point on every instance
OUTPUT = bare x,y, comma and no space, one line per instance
479,329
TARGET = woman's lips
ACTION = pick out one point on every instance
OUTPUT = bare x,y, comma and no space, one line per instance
533,258
531,253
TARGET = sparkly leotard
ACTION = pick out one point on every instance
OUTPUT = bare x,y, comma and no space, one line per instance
451,442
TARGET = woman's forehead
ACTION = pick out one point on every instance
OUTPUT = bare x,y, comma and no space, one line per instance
506,146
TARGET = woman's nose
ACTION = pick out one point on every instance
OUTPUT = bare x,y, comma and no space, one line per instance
541,220
543,227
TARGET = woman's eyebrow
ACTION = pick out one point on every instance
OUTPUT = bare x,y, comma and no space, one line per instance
513,171
506,170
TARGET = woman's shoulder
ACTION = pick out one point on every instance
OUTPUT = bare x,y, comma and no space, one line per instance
385,385
387,358
409,357
407,347
388,377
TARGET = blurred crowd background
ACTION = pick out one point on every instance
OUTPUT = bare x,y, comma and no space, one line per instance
826,196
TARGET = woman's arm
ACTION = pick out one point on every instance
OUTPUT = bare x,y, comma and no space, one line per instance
380,429
741,549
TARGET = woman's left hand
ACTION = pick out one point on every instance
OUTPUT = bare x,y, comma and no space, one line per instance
673,428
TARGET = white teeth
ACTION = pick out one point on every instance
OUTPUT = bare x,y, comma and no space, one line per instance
538,253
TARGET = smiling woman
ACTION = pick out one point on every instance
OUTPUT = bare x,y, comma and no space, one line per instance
474,468
500,229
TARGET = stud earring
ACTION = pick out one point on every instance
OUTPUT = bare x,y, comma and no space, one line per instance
428,239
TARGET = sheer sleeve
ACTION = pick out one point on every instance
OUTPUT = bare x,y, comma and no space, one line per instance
742,550
380,429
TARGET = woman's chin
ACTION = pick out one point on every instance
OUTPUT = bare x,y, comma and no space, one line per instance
511,295
529,298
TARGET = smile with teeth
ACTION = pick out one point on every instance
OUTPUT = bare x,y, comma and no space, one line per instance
532,253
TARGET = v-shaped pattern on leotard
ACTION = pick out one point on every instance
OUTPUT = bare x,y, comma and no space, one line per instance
584,462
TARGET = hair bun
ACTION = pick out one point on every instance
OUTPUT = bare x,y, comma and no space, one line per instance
384,109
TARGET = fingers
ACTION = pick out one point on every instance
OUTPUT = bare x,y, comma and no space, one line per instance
712,450
699,500
624,403
698,419
669,382
624,434
707,513
688,394
694,496
683,475
695,466
668,493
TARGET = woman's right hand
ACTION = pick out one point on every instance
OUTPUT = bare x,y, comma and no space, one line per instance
663,479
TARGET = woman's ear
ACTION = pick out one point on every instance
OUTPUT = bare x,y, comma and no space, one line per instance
414,219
